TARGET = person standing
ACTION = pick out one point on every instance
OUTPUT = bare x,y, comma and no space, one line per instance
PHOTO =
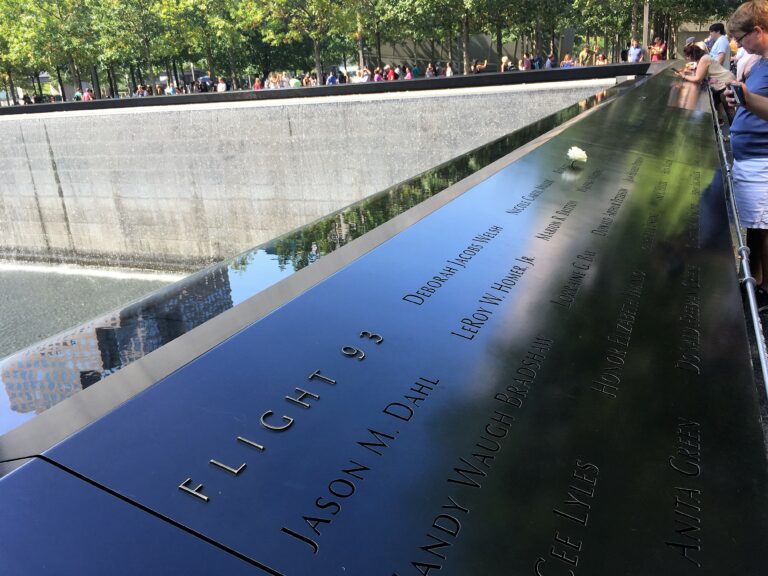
658,50
708,68
595,54
635,52
721,48
331,79
585,56
749,142
551,62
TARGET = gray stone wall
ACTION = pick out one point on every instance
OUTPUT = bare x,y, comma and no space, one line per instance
179,186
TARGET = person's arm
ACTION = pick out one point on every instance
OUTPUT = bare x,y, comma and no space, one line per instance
701,71
721,58
755,103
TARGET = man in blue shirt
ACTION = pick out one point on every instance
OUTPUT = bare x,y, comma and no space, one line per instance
721,48
331,80
635,52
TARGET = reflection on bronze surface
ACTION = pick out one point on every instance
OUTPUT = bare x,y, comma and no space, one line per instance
684,95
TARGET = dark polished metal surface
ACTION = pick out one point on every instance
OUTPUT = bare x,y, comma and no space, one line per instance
39,377
54,523
547,375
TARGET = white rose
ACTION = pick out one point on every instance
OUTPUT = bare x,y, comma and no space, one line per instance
575,153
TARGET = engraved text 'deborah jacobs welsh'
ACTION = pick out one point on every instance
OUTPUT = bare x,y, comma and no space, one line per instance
548,375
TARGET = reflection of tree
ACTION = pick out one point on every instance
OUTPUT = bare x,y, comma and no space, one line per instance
295,249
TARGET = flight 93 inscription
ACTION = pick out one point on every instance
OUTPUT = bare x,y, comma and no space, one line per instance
548,374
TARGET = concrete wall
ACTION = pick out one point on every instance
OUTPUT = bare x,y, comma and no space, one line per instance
177,186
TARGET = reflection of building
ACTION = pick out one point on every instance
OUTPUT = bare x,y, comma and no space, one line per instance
39,377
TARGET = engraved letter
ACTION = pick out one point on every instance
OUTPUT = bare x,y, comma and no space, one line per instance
395,409
301,538
196,491
229,469
688,468
453,528
300,400
288,422
316,374
250,443
540,561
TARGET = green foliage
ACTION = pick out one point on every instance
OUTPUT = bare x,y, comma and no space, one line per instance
239,35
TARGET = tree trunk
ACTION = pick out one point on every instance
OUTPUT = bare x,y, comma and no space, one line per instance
12,88
75,73
633,32
318,64
553,48
209,60
39,86
112,81
465,39
499,41
233,70
360,47
61,84
7,92
450,45
95,81
671,45
148,57
537,39
175,73
378,46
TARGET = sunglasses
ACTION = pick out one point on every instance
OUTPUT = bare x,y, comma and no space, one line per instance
738,40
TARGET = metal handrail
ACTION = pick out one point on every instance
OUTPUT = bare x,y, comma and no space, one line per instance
743,249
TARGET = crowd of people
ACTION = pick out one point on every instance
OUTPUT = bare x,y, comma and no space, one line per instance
588,56
734,64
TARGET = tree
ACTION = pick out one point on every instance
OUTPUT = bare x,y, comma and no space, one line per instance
126,29
290,20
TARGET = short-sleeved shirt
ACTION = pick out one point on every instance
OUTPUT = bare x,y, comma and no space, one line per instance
749,133
634,54
721,46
